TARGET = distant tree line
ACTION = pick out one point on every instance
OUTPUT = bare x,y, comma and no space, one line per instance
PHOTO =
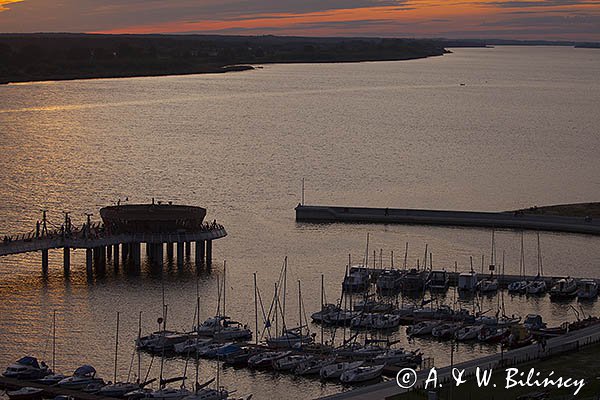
28,57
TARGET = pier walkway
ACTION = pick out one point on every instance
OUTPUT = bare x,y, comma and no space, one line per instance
498,220
99,244
570,342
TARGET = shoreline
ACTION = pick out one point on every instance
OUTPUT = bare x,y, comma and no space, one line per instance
214,70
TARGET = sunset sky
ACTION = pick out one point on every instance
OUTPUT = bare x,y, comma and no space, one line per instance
518,19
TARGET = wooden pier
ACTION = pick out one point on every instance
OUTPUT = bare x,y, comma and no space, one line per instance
101,243
496,220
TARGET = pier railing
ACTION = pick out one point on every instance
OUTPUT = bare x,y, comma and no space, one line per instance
55,242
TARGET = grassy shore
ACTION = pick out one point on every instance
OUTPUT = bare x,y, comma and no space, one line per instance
566,210
584,364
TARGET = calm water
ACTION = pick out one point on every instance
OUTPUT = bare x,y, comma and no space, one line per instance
523,130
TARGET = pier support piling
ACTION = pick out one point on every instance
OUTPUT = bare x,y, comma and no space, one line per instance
136,253
158,253
88,260
209,252
116,255
169,251
109,252
125,252
67,260
180,254
188,249
200,252
45,261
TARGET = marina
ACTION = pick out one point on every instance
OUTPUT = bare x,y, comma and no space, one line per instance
238,147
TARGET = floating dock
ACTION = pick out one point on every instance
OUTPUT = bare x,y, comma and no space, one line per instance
497,220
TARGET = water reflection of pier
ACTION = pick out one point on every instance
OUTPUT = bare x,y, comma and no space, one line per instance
160,228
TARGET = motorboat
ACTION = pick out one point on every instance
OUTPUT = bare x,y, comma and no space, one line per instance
27,368
537,286
265,359
167,393
192,345
82,377
241,357
399,357
588,289
289,338
119,389
290,361
212,350
534,322
326,310
208,394
414,280
492,334
367,352
25,393
422,328
517,287
358,280
386,321
362,374
363,321
468,332
143,342
467,281
372,306
564,289
223,328
335,370
488,285
438,281
51,379
445,330
389,282
341,317
312,366
519,336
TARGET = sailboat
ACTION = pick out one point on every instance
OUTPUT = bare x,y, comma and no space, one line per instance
538,285
294,337
120,389
221,327
520,286
490,285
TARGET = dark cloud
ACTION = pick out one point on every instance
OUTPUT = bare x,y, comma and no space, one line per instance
542,3
93,15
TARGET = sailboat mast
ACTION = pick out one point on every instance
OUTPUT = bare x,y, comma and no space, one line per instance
224,285
322,302
300,306
255,309
284,288
405,255
139,356
116,348
54,341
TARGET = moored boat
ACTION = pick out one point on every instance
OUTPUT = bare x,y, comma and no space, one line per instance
564,289
335,370
27,368
363,373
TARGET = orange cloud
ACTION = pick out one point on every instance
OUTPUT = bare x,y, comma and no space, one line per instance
415,17
5,2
